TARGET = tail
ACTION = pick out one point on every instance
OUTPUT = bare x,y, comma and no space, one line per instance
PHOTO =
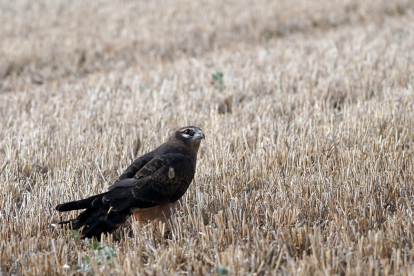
80,204
98,218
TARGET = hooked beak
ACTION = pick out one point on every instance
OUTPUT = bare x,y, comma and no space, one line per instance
199,135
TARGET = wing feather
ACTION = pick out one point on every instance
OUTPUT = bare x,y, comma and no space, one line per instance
136,166
154,186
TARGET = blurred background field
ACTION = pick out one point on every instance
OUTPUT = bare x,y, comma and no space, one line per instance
307,107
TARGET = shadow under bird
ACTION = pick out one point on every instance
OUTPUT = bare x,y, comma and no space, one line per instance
148,189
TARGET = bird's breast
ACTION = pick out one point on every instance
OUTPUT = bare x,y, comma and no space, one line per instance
160,212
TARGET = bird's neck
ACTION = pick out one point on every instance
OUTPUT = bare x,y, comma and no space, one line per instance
192,153
190,149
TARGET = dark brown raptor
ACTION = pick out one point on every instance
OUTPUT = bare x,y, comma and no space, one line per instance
148,189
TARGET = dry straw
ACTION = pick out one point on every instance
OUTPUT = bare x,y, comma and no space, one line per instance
307,167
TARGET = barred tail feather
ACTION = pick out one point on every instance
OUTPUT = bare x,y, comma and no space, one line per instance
80,204
95,221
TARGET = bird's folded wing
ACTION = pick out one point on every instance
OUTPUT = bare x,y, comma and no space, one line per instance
155,186
135,166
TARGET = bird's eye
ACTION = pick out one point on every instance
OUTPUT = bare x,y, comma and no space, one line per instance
187,131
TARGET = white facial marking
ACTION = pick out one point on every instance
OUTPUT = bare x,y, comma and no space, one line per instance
186,135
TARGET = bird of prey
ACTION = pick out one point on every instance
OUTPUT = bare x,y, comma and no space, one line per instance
148,189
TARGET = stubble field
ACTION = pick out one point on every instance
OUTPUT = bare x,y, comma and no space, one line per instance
307,108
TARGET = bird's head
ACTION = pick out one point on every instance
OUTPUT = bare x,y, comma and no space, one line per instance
190,136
